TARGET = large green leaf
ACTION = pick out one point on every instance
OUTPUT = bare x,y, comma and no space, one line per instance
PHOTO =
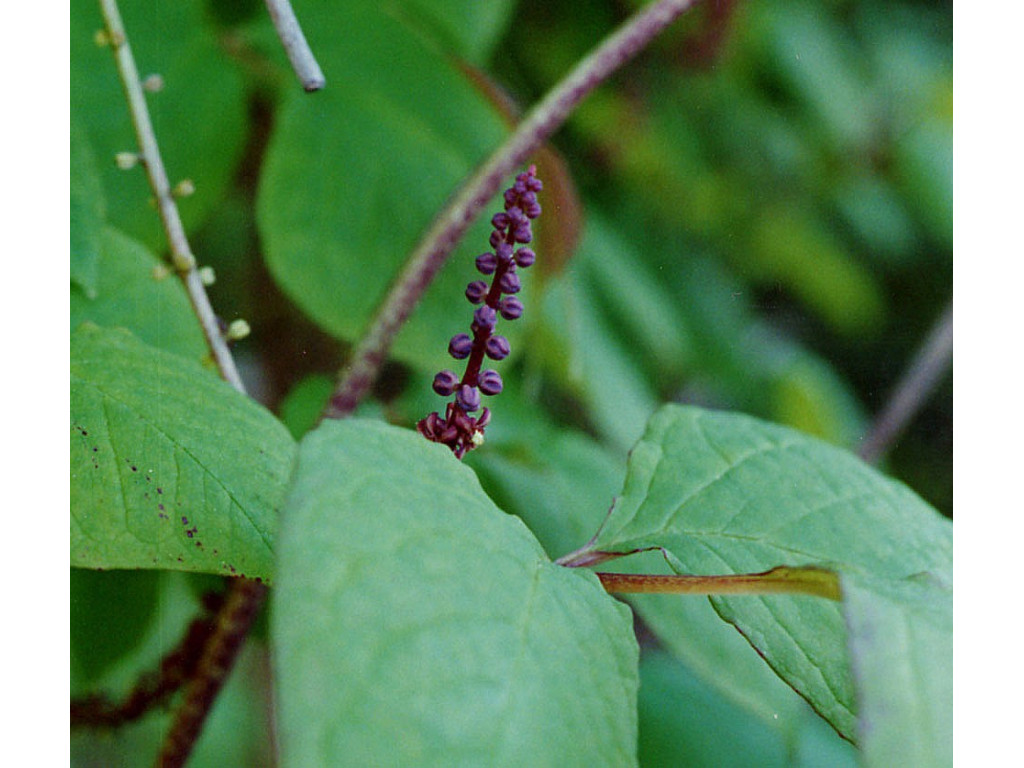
725,493
355,175
135,291
199,116
901,649
170,466
416,624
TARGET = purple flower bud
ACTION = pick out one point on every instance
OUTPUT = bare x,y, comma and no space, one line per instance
510,283
522,233
487,263
476,291
511,196
497,348
525,257
445,383
468,398
496,239
532,210
510,308
490,382
533,183
503,253
485,318
500,220
460,346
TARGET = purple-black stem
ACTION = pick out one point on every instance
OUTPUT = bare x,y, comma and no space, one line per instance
440,240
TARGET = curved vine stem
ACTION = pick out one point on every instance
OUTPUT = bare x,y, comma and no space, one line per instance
243,597
440,240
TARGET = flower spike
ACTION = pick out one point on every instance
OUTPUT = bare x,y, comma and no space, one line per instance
458,429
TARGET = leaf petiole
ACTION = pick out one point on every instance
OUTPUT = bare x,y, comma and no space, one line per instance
809,580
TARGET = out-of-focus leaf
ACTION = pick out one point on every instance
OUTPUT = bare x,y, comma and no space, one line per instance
813,61
792,246
136,291
469,28
199,116
303,405
642,309
462,641
109,615
924,168
878,217
87,210
170,466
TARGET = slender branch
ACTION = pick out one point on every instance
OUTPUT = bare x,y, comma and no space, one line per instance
295,45
243,598
181,253
440,240
817,582
933,360
241,605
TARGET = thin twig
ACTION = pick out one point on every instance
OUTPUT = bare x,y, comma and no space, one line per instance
933,360
243,598
295,45
440,240
181,253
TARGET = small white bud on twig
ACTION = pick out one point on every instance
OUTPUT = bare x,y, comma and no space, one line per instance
127,160
184,188
153,83
207,276
238,329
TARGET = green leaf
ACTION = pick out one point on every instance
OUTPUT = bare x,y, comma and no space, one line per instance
170,466
416,624
468,27
110,612
337,221
901,649
87,211
725,493
684,720
199,116
136,292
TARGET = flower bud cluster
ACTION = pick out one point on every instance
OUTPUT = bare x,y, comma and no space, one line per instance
460,430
